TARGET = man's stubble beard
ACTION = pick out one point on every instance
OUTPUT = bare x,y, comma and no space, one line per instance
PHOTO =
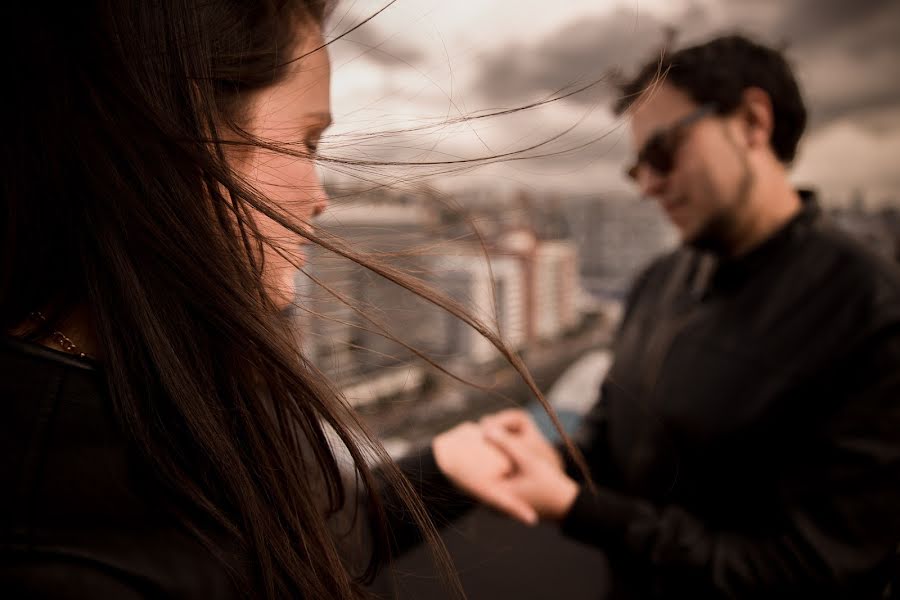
722,230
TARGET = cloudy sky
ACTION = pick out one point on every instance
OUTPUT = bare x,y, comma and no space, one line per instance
408,83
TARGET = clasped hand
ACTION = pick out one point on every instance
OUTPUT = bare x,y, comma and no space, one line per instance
505,462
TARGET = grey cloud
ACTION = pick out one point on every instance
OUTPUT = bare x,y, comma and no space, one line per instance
860,26
874,104
387,51
846,53
583,52
816,21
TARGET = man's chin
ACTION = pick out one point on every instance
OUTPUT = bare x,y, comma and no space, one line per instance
705,239
689,235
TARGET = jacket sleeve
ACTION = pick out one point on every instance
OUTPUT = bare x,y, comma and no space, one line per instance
368,538
443,502
591,436
841,501
591,440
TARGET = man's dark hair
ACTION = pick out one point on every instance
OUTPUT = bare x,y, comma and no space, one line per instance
719,71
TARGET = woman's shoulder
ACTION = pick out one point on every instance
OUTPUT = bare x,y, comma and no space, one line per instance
80,505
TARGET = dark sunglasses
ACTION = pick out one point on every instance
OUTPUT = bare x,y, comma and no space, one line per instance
658,152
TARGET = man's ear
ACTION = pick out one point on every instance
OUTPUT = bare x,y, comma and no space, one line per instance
758,120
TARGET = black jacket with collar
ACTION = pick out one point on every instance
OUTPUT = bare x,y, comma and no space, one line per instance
747,439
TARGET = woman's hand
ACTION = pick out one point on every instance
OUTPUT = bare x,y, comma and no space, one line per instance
506,463
480,469
520,424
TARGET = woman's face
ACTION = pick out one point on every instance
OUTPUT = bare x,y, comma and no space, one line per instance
295,111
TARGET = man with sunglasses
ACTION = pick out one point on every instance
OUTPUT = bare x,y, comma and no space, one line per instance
747,439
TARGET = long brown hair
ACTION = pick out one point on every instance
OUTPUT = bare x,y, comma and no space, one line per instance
118,198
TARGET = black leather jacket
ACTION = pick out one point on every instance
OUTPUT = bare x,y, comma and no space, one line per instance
747,439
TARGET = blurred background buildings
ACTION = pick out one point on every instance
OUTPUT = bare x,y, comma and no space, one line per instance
548,274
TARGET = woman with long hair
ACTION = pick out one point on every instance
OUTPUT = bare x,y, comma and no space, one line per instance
161,434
